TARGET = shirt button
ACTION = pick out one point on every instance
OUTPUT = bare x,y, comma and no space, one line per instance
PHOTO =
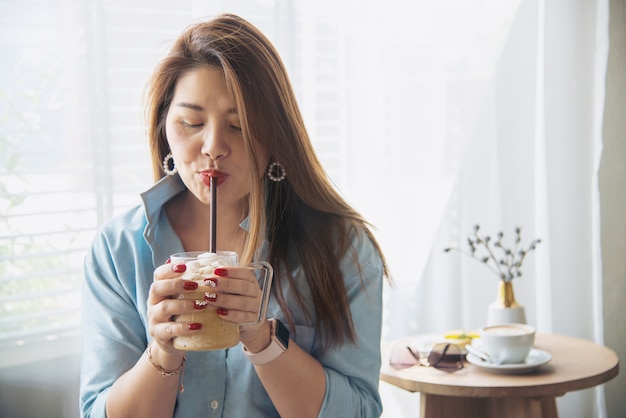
214,404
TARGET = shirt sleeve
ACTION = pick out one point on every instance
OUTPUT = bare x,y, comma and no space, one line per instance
113,331
352,370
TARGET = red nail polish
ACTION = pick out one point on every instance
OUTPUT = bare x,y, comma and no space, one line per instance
210,296
221,311
210,282
194,326
190,285
180,268
220,271
200,304
169,260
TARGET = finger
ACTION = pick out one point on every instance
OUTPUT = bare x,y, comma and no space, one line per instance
168,271
237,303
162,290
242,273
237,316
167,330
160,318
168,308
240,281
169,284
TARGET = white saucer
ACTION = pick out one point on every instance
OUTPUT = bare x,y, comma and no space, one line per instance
535,359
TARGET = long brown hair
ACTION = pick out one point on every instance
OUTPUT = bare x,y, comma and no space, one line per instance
303,218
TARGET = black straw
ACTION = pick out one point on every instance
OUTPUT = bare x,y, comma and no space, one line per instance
213,218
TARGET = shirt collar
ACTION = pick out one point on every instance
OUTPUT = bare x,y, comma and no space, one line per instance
155,197
154,200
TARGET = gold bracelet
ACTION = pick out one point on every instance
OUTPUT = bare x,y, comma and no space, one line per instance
168,373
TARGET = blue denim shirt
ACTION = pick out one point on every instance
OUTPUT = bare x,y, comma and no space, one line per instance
118,274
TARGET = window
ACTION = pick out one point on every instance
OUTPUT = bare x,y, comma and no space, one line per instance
49,206
72,138
72,147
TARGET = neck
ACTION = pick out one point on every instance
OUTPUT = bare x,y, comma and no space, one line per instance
191,220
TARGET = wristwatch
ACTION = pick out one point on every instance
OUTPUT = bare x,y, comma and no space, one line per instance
279,341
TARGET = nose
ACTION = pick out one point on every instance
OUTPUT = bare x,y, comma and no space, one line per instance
214,145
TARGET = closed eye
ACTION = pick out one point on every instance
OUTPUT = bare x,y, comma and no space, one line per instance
190,125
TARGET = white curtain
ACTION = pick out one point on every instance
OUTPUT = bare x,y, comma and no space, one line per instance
529,159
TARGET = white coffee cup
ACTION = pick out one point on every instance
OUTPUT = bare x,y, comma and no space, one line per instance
507,343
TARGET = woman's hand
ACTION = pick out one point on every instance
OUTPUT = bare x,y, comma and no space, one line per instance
238,298
235,293
163,305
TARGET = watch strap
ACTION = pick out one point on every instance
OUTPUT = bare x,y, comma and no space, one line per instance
278,345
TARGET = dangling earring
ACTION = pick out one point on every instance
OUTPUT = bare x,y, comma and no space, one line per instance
169,166
276,172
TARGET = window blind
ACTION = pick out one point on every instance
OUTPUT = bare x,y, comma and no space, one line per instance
72,140
47,212
72,145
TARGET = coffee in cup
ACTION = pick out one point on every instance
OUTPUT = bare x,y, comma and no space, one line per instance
507,343
216,333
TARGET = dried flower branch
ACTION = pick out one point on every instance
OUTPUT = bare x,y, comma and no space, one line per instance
508,265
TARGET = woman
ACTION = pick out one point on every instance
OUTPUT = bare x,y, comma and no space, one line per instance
220,105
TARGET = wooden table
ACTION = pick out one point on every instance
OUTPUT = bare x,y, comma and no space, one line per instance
474,392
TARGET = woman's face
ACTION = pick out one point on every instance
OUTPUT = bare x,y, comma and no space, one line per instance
204,134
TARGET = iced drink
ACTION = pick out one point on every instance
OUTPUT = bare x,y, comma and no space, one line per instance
216,333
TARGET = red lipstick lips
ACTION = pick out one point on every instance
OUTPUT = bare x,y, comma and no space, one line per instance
207,174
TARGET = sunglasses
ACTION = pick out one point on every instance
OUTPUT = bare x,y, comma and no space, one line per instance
445,356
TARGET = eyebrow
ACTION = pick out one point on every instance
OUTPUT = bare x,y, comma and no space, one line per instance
190,106
199,108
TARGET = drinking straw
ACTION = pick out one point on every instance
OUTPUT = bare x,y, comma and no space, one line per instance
213,218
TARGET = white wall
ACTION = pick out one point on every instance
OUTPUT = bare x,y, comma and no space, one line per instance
612,178
43,389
